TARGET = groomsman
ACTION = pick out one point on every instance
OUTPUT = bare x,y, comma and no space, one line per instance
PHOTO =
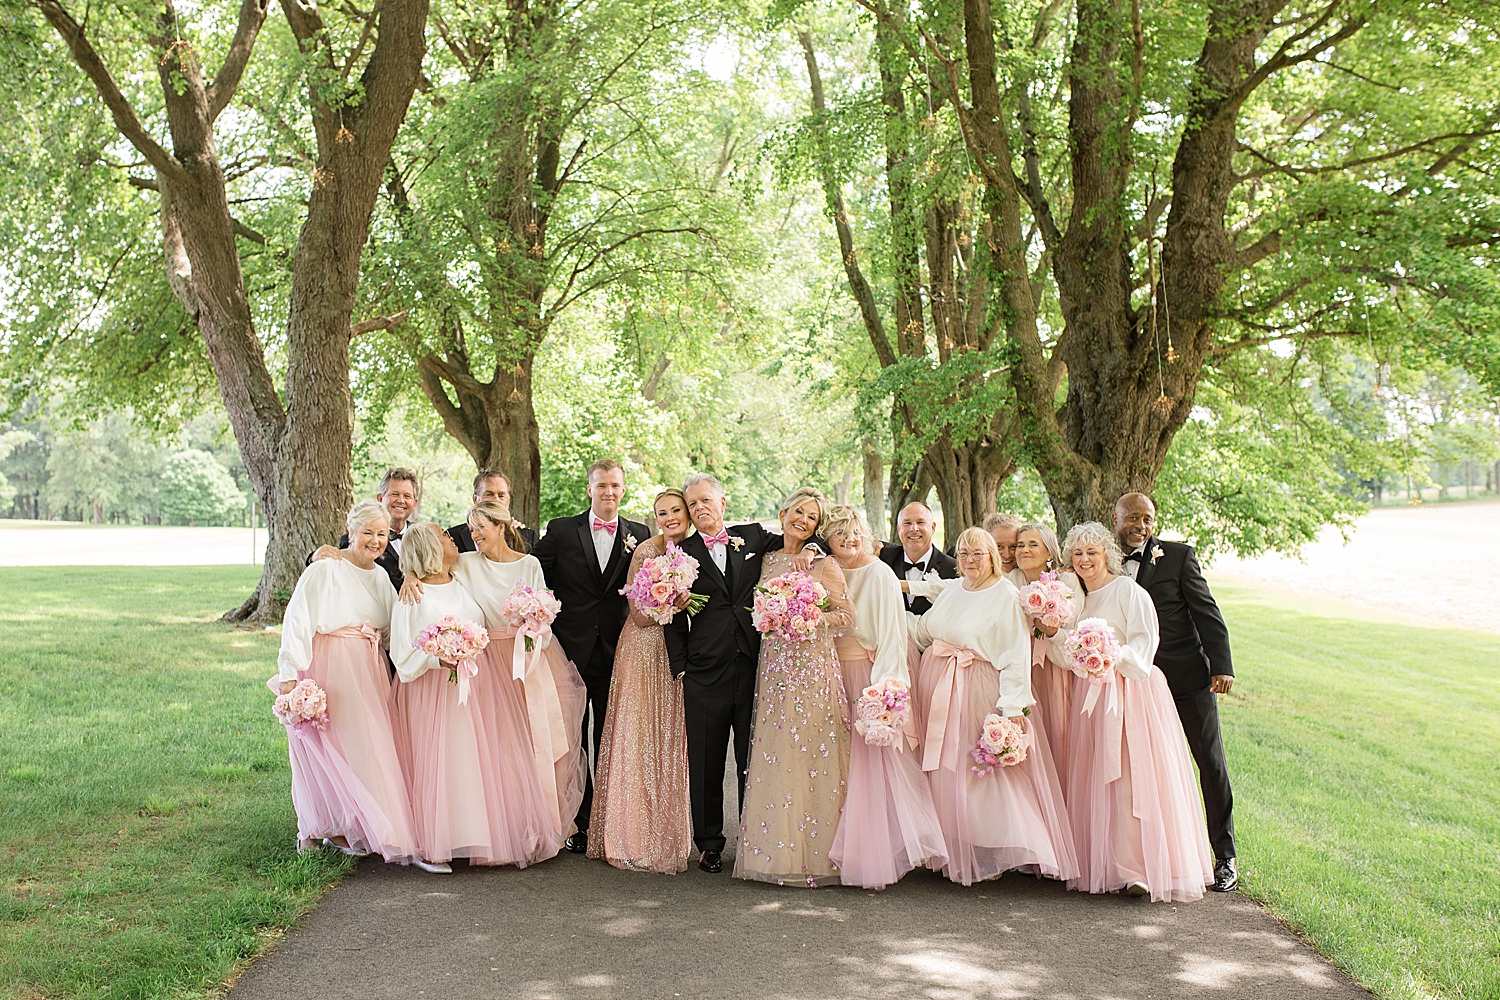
1194,656
714,653
916,556
1003,528
585,558
490,485
400,494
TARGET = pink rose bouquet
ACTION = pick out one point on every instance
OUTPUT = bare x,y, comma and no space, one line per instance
882,711
457,642
1002,743
790,606
531,611
1047,602
1092,652
303,707
661,581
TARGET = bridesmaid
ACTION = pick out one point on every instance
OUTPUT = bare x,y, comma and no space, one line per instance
799,749
1051,682
641,818
889,825
348,786
977,661
1137,817
474,790
549,693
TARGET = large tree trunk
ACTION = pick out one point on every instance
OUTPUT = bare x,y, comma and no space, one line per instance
297,455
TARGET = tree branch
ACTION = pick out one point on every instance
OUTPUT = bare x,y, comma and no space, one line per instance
240,229
221,91
379,323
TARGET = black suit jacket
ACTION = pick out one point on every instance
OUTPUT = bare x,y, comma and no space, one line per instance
388,560
708,644
593,609
893,555
464,538
1194,638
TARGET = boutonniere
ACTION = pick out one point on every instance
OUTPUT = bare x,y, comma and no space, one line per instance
931,576
630,542
737,542
1156,553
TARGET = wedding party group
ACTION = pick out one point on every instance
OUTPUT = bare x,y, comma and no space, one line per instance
1017,705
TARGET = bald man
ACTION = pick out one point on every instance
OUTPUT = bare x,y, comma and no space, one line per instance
1194,656
916,556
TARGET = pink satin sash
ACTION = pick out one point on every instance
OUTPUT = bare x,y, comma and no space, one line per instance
936,753
364,631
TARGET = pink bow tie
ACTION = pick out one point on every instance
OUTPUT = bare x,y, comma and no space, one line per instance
608,526
722,538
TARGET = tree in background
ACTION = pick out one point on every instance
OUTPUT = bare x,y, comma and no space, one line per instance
196,489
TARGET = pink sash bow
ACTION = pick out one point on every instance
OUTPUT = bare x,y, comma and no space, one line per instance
364,630
935,753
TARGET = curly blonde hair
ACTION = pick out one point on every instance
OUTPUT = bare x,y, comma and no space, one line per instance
1094,533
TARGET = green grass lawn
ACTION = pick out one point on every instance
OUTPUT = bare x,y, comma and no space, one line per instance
146,827
145,821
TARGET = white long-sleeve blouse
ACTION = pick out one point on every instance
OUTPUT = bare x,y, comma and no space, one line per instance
989,622
489,583
1129,609
331,594
408,620
879,620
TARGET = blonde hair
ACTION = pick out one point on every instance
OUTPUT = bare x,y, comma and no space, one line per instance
422,550
1049,541
363,513
497,513
843,517
978,538
806,493
670,491
1094,533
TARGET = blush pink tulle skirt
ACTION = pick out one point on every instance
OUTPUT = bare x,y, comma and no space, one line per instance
348,781
1013,817
889,825
1052,687
1137,815
475,790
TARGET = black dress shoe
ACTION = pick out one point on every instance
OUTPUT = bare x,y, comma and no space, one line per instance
1226,876
578,843
710,862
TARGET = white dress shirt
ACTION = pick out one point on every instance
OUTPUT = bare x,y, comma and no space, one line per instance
604,541
719,554
1133,566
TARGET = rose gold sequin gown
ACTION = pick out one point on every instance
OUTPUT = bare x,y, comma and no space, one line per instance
641,820
799,750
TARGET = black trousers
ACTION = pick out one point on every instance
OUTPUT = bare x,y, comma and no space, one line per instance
1199,712
596,682
712,712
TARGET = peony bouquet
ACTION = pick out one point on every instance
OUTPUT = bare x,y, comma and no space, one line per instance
881,713
1092,652
659,583
457,642
1002,743
790,606
530,611
1047,602
303,707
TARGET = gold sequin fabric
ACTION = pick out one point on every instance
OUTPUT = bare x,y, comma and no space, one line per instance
799,748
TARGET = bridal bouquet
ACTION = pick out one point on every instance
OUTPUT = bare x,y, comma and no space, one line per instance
531,611
881,712
1092,652
1002,743
1047,602
303,707
790,606
456,641
659,583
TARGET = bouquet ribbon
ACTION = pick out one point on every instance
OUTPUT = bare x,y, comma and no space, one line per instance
467,670
936,753
1038,650
1095,684
549,735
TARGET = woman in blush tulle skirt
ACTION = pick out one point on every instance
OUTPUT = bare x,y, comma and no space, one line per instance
889,825
1137,816
641,818
348,784
1037,552
977,662
474,787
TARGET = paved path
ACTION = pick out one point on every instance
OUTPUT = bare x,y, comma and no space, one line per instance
69,543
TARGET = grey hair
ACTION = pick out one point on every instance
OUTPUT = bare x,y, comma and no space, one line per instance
843,517
1049,541
703,477
1094,533
998,520
422,550
363,513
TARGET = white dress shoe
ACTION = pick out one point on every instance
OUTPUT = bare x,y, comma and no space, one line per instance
436,867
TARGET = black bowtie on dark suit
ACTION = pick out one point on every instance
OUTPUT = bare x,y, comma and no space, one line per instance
1194,646
593,611
894,556
464,538
715,654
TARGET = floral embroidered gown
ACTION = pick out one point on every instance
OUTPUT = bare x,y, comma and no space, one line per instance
799,749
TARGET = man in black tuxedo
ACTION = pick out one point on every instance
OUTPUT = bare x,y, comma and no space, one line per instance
714,654
585,559
490,485
400,494
916,556
1194,656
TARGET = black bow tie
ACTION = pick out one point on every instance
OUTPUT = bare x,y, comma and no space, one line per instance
907,564
1136,556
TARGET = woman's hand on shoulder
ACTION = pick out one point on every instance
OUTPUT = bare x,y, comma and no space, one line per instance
411,591
804,559
327,552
